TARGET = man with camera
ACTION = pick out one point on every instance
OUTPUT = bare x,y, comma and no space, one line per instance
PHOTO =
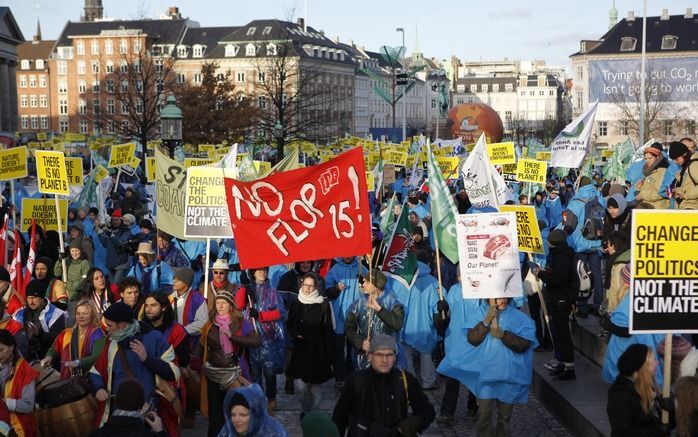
115,240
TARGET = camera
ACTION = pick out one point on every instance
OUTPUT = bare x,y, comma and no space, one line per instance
129,246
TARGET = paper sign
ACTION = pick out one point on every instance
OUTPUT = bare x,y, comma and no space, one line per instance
530,170
206,208
209,149
101,173
194,162
527,228
543,156
13,163
44,211
501,153
41,136
370,181
606,153
389,174
150,168
53,176
448,166
395,157
121,154
262,167
74,168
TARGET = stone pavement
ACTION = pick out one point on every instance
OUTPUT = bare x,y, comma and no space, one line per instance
531,419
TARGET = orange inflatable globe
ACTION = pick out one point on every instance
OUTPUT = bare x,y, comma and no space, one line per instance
470,120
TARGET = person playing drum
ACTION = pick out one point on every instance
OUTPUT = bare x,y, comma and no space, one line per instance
223,349
76,349
131,351
17,385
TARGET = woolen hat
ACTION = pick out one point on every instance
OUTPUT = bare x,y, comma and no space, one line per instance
130,218
116,213
77,226
632,359
146,224
382,341
584,180
129,395
119,312
378,279
185,275
557,238
625,274
238,399
318,423
145,248
75,244
45,261
677,149
36,288
226,296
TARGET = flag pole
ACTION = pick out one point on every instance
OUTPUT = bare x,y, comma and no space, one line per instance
208,258
438,266
666,387
61,247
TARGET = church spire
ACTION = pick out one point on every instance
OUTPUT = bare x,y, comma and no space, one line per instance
612,16
93,10
37,36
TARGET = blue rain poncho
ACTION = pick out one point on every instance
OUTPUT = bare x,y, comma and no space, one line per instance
419,331
348,274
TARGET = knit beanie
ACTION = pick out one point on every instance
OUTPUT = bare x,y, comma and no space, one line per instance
677,149
119,312
130,396
625,274
36,288
557,238
584,180
226,296
318,423
76,244
185,275
238,399
632,359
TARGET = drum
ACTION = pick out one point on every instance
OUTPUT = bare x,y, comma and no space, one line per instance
47,375
67,406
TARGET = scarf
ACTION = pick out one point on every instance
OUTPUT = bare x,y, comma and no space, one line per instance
223,323
311,298
219,285
659,162
129,331
101,300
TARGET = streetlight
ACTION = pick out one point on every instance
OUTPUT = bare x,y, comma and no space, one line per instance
404,70
278,132
171,125
439,87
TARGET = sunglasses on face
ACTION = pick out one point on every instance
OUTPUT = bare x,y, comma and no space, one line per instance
219,273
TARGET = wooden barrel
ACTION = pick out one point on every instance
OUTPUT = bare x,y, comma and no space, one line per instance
75,419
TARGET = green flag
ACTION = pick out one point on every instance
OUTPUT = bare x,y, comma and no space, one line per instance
389,217
401,258
443,210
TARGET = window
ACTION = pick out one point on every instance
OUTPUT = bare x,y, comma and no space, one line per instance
507,115
82,107
109,85
271,50
139,106
110,106
42,81
250,50
198,51
80,47
25,122
624,127
668,42
110,127
82,87
261,77
137,46
220,77
433,103
23,101
541,93
137,66
473,88
181,78
110,67
668,127
98,128
35,122
508,87
231,50
95,67
139,85
197,77
627,44
580,72
602,128
32,81
240,76
267,30
123,67
580,99
124,108
125,126
251,31
44,121
691,127
531,93
81,67
33,101
39,64
109,47
95,86
63,107
181,51
158,66
63,126
124,86
485,88
495,87
94,47
84,126
62,87
552,93
22,81
96,106
24,64
123,46
43,101
262,102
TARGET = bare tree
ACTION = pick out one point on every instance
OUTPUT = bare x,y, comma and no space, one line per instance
214,111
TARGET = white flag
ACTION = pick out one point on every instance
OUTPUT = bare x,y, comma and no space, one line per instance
570,146
477,177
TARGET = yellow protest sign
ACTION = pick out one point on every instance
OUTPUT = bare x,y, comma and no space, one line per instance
209,149
101,173
410,160
470,147
59,147
74,168
44,211
73,138
509,172
372,159
240,156
205,205
370,181
395,157
501,153
448,166
135,162
41,136
150,168
262,167
220,153
543,156
528,231
13,163
121,154
195,162
53,176
439,152
34,144
308,147
530,170
606,153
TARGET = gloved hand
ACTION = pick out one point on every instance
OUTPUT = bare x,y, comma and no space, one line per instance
410,426
667,404
491,315
442,306
64,255
254,313
497,332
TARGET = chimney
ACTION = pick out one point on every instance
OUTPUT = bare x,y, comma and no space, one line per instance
301,23
665,15
631,16
336,40
689,13
173,13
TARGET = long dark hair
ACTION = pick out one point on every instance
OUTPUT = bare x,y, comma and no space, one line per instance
168,314
88,287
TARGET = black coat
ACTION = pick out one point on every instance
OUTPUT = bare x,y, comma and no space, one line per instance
121,426
625,412
310,327
559,272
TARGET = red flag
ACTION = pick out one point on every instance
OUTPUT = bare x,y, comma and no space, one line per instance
317,212
3,242
18,299
31,259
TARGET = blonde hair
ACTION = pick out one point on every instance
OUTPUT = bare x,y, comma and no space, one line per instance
686,390
645,384
94,316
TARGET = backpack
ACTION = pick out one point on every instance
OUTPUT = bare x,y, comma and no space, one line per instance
582,279
594,214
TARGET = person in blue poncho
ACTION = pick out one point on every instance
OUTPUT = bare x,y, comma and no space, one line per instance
150,272
498,368
554,208
245,411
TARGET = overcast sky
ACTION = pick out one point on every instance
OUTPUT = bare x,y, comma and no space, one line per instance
468,29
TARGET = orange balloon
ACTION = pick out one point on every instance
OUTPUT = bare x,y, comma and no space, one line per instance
470,120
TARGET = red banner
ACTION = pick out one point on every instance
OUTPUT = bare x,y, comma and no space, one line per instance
310,213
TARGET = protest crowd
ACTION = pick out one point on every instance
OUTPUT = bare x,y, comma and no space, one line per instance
123,326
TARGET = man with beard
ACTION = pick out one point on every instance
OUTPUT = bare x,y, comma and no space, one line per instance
42,320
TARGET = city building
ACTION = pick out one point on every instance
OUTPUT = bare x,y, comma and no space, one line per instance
608,69
10,38
33,84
